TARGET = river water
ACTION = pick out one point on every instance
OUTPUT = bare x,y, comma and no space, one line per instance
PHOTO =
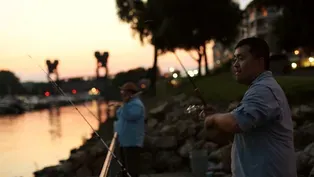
34,140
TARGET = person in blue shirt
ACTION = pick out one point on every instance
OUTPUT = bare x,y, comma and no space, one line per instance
262,125
130,128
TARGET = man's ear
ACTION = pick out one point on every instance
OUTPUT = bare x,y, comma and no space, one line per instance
261,61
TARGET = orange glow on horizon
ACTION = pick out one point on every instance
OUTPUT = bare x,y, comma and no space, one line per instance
35,28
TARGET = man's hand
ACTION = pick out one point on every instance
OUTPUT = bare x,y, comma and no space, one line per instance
209,121
115,105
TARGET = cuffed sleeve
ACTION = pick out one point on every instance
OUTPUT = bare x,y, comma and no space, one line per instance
258,107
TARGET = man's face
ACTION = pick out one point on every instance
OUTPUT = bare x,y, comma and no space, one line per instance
125,95
246,67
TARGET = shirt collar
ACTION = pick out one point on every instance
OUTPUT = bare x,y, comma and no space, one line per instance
262,76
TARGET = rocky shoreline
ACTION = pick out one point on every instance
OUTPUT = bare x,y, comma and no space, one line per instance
171,134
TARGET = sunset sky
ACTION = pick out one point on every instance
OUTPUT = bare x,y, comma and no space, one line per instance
71,31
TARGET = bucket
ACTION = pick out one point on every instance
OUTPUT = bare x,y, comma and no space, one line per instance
199,162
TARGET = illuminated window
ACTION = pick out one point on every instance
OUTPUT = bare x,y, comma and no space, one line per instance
264,12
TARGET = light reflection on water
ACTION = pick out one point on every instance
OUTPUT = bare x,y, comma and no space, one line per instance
38,139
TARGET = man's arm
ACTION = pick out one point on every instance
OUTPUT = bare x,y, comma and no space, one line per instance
226,122
258,106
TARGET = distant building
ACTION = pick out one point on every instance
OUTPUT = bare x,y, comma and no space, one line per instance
258,22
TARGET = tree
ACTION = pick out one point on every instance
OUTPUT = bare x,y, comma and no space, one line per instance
9,83
133,75
180,24
137,14
205,21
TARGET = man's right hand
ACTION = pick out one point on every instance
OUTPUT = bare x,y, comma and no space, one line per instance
115,105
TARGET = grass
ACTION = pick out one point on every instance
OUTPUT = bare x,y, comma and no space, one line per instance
222,88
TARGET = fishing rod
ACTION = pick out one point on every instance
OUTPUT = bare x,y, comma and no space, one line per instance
111,154
84,118
191,80
196,89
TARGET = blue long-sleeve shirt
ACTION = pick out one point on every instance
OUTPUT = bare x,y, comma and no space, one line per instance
265,147
130,123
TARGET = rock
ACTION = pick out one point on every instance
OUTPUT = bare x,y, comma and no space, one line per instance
302,112
185,128
295,124
97,165
304,135
47,171
179,98
168,130
174,115
232,106
79,157
73,151
202,134
151,123
302,162
167,161
165,142
306,109
210,146
174,163
311,173
83,172
222,155
186,148
160,111
301,139
149,142
191,101
146,162
65,167
98,149
310,149
199,144
309,129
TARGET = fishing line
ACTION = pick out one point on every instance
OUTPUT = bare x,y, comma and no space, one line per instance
64,94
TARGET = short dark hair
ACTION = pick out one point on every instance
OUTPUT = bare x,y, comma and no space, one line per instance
258,48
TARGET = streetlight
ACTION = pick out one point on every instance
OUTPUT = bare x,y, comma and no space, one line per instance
296,52
311,60
191,73
294,65
171,69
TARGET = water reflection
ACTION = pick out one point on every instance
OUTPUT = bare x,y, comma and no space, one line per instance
55,123
38,139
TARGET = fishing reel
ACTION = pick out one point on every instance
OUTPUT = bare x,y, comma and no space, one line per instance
200,110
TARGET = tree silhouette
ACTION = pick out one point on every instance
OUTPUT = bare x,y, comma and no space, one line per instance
133,75
180,24
9,83
139,15
190,25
